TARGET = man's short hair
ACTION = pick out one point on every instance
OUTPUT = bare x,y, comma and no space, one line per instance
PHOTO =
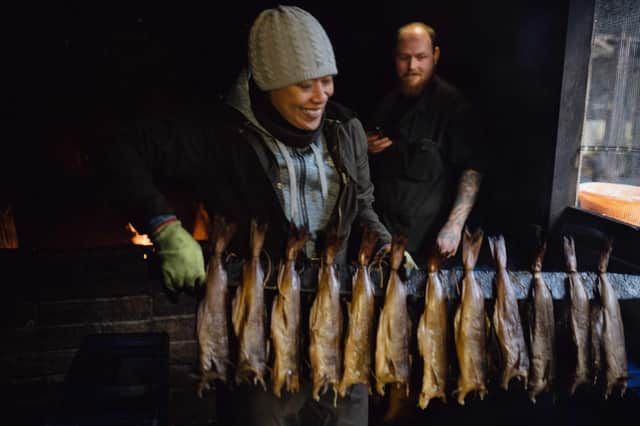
426,28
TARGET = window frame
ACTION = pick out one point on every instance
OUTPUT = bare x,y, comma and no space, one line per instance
563,214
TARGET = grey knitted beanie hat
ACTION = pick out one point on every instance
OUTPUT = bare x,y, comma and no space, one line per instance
288,45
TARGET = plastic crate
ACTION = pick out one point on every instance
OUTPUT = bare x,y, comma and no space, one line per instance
621,202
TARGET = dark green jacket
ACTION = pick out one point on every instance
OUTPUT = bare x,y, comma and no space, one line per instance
212,152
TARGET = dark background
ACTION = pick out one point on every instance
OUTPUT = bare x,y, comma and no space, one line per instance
70,69
77,66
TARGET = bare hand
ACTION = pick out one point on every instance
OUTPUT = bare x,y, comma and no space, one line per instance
448,240
378,144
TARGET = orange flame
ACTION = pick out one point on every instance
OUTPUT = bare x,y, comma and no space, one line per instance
138,239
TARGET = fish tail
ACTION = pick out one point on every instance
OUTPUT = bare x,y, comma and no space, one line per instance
367,244
398,245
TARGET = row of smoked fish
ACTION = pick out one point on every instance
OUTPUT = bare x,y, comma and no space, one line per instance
595,327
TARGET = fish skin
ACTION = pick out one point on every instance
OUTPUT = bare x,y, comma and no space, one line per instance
392,360
248,313
470,324
325,325
506,320
541,332
212,327
285,319
597,319
615,355
579,318
432,340
358,343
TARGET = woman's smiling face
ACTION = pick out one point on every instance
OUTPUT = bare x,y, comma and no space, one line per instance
302,104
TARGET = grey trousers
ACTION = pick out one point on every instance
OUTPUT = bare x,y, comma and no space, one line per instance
251,405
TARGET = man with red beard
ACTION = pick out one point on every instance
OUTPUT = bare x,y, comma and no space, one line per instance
425,163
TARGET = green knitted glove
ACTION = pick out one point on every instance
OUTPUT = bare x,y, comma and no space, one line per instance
181,258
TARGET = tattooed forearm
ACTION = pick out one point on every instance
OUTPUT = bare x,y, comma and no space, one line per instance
468,188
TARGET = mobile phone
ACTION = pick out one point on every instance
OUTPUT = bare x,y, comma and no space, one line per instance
377,131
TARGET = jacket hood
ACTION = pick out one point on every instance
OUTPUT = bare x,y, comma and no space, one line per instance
239,99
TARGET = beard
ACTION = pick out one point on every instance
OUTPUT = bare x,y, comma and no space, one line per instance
411,85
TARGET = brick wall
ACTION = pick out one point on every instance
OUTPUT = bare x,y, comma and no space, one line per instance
54,299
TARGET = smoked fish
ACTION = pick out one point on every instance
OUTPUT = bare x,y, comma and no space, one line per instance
506,320
248,313
392,363
358,343
541,332
615,355
579,318
212,327
285,319
432,338
325,325
470,324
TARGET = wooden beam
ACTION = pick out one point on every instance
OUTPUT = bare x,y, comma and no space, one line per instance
572,106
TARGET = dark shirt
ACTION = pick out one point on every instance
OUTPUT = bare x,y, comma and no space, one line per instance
434,138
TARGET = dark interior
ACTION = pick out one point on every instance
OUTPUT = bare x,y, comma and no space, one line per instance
82,67
75,68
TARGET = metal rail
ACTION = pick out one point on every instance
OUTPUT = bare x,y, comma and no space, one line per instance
626,286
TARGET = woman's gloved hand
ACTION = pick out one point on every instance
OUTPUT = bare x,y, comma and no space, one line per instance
181,258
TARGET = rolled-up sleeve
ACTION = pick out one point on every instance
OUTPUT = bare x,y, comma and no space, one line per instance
467,146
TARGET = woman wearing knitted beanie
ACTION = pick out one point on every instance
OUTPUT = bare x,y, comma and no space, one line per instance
279,151
313,153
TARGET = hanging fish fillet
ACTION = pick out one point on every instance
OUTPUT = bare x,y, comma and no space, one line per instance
325,325
432,338
541,332
597,351
212,327
579,317
358,344
615,355
394,327
506,320
285,319
470,324
248,313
